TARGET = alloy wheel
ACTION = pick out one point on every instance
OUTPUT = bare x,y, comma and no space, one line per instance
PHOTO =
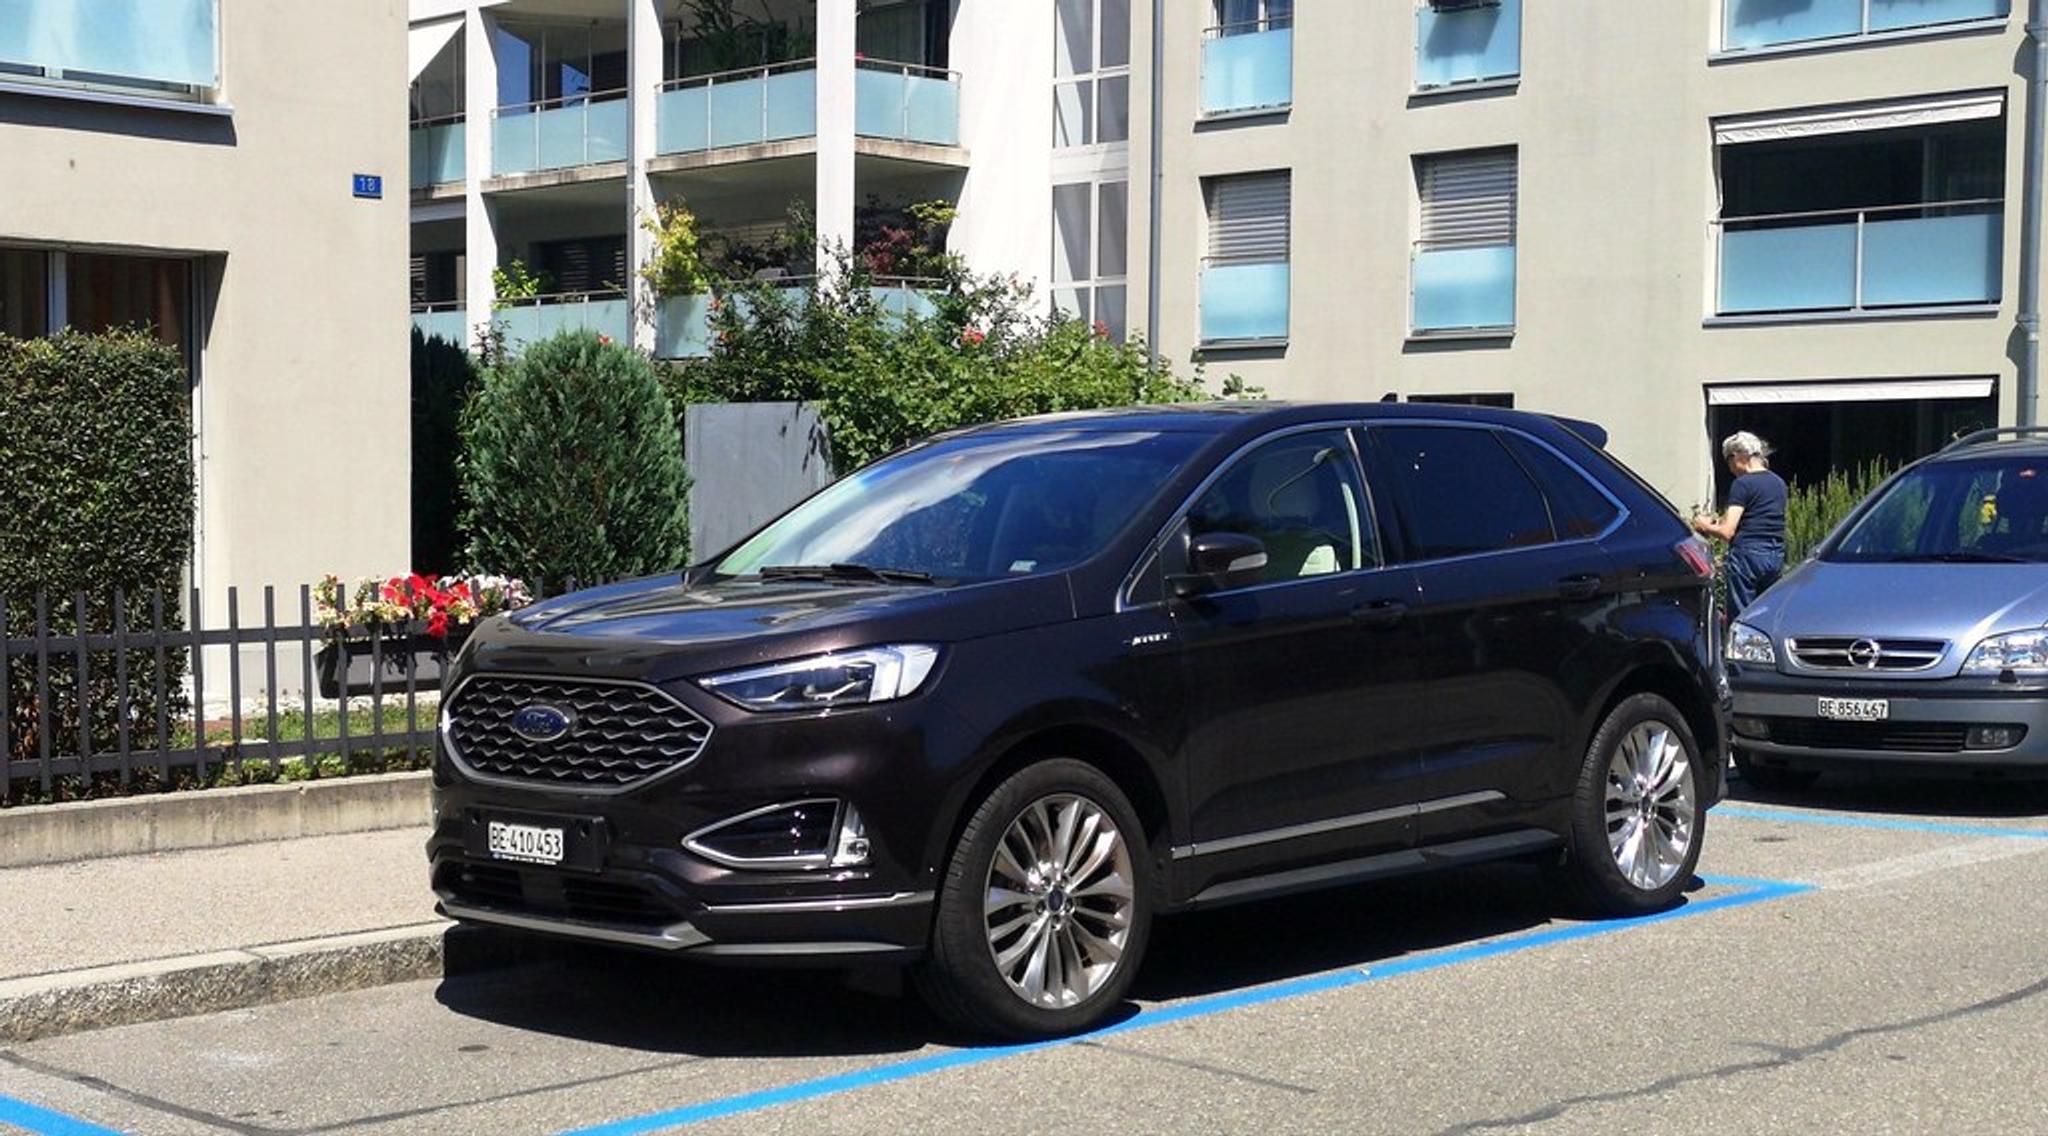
1059,901
1651,808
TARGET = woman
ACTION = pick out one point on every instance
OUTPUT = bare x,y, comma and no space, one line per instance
1753,524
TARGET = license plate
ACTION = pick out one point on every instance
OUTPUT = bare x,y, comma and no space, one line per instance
526,843
1856,709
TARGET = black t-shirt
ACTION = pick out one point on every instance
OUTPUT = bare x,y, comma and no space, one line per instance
1761,496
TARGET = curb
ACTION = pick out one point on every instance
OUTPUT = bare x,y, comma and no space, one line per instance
210,818
48,1005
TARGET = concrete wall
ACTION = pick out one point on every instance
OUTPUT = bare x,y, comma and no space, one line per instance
1003,51
303,373
1617,187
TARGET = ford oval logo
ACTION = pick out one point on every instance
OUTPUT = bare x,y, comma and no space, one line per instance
540,722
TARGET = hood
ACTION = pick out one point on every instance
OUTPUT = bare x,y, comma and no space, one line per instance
1961,603
658,629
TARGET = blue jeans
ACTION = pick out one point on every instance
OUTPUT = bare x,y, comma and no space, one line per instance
1749,571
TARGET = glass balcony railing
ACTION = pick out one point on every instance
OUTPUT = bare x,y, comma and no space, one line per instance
1247,67
737,108
1851,260
683,323
1459,289
438,152
608,314
1468,45
555,134
1244,301
442,321
906,102
1752,24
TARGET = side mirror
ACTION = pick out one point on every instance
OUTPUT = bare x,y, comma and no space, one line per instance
1218,561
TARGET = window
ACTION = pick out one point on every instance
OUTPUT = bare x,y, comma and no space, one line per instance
1578,509
24,293
1464,265
1750,24
166,48
1880,206
1503,401
1091,95
1461,492
1467,41
1300,495
1245,274
582,265
153,293
1248,57
1091,222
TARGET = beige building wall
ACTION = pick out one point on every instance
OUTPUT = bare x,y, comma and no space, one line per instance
302,377
1616,257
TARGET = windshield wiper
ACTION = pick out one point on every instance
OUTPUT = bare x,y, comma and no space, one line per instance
845,572
1960,558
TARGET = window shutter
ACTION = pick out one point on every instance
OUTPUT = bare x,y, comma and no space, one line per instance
1468,200
1248,218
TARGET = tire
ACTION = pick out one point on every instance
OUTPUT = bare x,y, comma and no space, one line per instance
1774,778
1094,907
1611,873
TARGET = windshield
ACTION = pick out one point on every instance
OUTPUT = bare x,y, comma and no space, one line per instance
973,508
1991,510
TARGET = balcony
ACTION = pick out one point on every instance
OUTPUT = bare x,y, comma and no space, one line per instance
683,323
906,102
1247,67
606,313
446,321
1477,44
438,152
1902,256
556,134
1463,289
1244,302
1751,24
737,108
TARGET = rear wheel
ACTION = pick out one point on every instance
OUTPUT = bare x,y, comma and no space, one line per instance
1045,907
1636,816
1774,778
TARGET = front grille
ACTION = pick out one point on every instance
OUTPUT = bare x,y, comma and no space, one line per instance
620,733
556,894
1880,737
1851,653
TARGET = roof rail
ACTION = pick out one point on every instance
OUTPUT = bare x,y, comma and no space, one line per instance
1977,437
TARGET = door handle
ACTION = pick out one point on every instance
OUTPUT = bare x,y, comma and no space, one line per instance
1582,586
1380,613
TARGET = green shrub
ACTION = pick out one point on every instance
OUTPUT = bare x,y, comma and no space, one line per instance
442,378
96,442
572,465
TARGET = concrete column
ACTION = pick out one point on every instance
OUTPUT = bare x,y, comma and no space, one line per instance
835,190
480,229
643,81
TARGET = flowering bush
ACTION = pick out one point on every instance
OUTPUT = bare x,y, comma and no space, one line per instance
392,604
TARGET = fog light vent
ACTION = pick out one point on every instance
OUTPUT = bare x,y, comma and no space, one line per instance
1752,727
1995,737
800,834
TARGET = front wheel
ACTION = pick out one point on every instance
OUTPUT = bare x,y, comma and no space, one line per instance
1636,817
1045,907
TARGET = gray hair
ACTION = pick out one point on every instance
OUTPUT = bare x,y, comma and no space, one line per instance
1742,443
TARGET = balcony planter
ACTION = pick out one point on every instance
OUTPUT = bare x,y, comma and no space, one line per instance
384,663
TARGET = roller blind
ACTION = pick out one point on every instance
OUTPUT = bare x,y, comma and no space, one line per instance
1858,119
1248,218
1468,200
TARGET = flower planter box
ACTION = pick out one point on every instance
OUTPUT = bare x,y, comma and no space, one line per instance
365,666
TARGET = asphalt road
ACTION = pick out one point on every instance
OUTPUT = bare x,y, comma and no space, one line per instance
1867,958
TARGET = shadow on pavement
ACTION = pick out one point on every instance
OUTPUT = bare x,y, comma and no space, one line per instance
1921,797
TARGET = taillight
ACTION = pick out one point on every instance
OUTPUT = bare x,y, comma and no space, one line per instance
1694,552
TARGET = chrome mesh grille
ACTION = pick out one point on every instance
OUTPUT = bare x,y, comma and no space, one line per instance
621,733
1853,653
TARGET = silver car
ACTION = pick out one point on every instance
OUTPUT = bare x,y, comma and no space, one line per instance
1916,639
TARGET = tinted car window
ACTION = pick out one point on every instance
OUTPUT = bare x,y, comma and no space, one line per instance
1577,507
1460,491
1301,496
1992,508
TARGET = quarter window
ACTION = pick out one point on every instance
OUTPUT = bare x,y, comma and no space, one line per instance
1460,491
1301,496
1577,508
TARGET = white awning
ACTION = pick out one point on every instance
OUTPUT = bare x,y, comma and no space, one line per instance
424,41
1874,390
1859,118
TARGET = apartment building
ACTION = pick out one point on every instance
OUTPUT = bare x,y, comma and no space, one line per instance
228,174
1798,217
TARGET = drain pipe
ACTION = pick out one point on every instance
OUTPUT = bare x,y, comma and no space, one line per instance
2030,217
1158,191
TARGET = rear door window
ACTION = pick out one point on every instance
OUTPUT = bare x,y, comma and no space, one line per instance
1578,509
1459,491
1301,496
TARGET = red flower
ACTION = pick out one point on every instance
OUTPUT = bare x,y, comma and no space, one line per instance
1101,330
437,624
604,341
972,335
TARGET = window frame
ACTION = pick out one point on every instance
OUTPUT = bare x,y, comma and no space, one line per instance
1867,37
1422,166
1093,281
1094,79
127,90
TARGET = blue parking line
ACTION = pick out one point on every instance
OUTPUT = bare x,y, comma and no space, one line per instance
43,1122
1752,891
1835,821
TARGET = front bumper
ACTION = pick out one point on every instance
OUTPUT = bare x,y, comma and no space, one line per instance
1928,728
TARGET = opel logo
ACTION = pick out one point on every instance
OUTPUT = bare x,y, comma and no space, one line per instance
540,722
1865,653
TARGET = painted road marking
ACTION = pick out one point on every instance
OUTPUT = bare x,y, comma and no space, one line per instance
1835,820
1752,891
41,1121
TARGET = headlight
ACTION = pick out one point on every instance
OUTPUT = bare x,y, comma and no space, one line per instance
2025,652
873,674
1748,645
